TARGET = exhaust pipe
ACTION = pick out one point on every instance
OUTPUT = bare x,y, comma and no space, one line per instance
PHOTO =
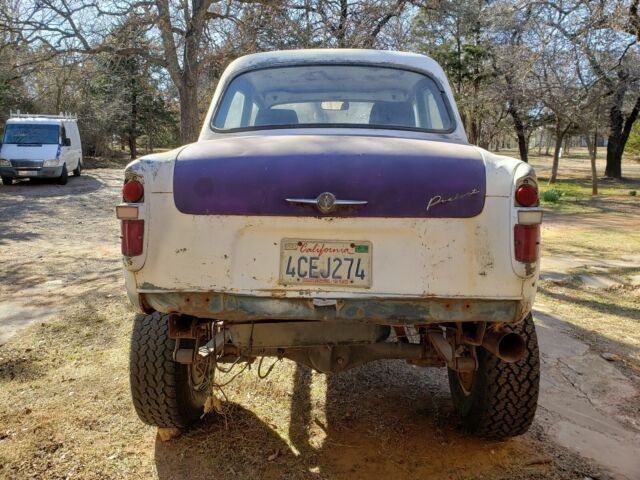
508,347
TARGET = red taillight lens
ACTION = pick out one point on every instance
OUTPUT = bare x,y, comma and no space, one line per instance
527,195
132,191
132,237
527,242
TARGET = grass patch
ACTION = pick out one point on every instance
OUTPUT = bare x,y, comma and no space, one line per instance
609,319
590,242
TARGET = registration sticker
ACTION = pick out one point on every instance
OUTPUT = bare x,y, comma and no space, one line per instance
325,262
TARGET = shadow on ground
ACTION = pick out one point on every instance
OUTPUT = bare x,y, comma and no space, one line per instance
383,420
41,187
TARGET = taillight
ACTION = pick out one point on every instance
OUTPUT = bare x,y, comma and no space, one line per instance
132,237
527,242
527,195
132,191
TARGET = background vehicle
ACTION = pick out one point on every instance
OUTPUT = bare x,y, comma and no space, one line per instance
42,146
333,213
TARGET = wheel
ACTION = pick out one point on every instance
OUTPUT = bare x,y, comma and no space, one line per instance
78,170
499,399
7,180
165,393
64,176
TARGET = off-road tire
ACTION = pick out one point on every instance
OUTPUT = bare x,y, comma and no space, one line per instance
64,176
504,396
7,180
161,388
78,170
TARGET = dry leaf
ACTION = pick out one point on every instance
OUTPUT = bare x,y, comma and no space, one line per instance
166,434
213,403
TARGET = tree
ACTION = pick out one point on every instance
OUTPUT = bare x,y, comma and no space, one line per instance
179,33
607,35
176,34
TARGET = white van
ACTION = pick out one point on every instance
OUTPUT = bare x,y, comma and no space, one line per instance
43,146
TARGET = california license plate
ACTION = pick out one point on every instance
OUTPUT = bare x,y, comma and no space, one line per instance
325,262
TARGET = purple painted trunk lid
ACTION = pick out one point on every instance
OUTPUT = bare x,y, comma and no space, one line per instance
398,177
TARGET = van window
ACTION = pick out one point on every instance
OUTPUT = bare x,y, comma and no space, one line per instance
30,134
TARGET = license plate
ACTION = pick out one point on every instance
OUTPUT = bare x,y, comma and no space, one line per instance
325,262
26,173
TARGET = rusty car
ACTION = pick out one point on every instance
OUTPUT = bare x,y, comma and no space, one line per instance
333,212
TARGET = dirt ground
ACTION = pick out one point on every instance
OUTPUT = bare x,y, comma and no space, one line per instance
65,410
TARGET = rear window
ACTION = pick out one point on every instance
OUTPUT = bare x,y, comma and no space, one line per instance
23,134
332,96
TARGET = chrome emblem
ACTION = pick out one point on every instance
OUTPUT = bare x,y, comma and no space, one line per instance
326,202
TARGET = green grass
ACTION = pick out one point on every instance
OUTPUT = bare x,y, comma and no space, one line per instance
576,195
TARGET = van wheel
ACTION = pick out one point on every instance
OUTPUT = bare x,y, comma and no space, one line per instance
7,180
78,170
500,399
64,176
165,394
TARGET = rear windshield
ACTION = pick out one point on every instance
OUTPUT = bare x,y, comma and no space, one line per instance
332,96
23,134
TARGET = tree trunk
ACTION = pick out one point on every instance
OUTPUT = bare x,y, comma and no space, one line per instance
614,144
189,117
592,145
542,132
556,154
133,122
521,134
548,144
620,131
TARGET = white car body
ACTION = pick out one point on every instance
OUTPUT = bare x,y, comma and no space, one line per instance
333,213
467,264
43,160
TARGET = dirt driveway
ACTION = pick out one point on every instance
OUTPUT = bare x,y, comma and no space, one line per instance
58,244
66,412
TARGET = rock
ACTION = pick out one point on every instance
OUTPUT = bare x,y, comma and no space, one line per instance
611,357
598,282
555,277
273,456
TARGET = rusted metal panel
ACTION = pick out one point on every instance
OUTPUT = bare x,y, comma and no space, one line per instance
304,334
244,308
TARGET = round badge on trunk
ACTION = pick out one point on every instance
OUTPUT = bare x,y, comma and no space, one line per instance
326,202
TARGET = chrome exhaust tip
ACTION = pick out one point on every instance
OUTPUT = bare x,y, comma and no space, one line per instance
508,347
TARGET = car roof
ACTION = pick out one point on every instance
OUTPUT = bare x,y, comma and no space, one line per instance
413,61
340,56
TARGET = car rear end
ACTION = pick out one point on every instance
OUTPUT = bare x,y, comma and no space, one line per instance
207,240
339,229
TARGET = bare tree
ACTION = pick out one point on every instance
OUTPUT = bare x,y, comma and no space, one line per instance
601,30
81,27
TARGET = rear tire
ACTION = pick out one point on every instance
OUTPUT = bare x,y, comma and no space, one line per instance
7,180
64,176
163,391
503,397
78,170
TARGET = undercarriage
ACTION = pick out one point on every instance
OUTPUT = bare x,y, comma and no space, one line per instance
330,347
